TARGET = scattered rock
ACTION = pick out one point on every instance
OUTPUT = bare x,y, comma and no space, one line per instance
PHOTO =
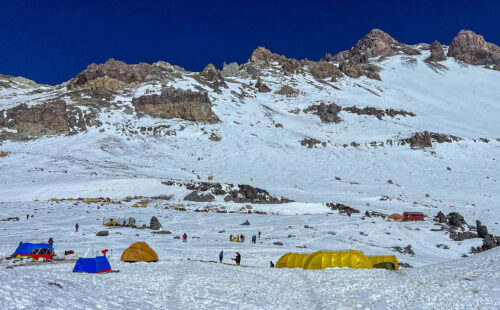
309,142
177,237
405,250
102,233
278,243
245,223
211,74
162,232
214,137
13,219
323,70
56,284
343,209
405,265
261,87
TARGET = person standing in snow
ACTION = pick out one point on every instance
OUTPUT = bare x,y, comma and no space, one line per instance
76,227
259,234
237,259
27,216
184,237
271,264
51,241
230,237
254,239
221,256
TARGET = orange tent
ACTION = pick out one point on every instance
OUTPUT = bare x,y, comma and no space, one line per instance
396,217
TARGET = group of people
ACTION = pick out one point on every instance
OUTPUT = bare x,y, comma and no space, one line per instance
237,259
241,238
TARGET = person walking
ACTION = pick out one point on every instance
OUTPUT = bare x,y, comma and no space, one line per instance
76,227
221,256
184,237
259,234
271,264
51,241
254,239
27,216
230,237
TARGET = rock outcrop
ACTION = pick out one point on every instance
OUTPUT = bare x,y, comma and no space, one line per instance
49,118
154,223
437,53
425,139
199,197
471,48
355,70
263,57
288,91
375,43
211,74
323,70
177,103
261,87
328,113
114,74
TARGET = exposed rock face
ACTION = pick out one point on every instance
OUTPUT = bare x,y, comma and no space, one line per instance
288,91
263,57
261,87
50,118
456,219
112,72
375,43
309,142
343,209
230,69
437,53
211,74
379,113
178,103
471,48
482,230
421,141
351,70
323,70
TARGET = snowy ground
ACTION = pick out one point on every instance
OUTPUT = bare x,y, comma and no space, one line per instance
187,276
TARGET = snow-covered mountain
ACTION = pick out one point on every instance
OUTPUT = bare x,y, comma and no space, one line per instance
383,127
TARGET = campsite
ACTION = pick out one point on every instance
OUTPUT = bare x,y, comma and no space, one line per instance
187,272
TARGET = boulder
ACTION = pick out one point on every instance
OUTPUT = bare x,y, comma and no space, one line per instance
246,223
421,140
178,103
154,224
456,219
472,48
329,113
102,233
437,53
441,217
482,230
199,197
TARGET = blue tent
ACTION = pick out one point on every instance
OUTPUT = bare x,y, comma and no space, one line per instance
28,248
99,264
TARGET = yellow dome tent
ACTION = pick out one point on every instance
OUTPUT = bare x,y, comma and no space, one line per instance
139,252
322,259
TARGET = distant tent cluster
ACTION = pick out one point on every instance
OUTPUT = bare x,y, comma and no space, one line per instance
349,258
119,221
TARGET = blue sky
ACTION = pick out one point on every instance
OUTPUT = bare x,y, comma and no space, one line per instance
52,41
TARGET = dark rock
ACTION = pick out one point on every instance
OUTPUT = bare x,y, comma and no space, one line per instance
328,113
405,250
489,242
456,219
482,230
405,265
178,103
162,232
263,57
102,233
278,243
343,209
441,217
199,197
13,219
250,194
367,214
437,53
245,223
309,142
352,70
154,224
461,236
261,87
421,141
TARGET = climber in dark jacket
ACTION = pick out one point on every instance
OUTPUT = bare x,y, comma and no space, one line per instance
221,256
237,259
